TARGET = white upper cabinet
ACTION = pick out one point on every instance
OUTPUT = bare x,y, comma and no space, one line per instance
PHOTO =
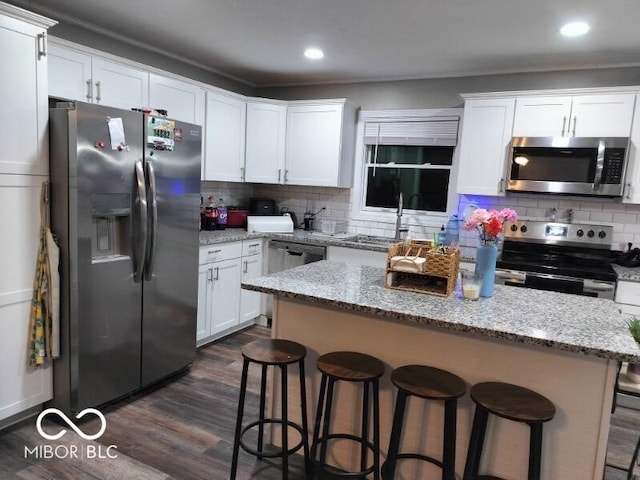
264,155
320,142
598,115
541,116
632,186
23,83
77,75
225,137
69,74
484,145
182,100
119,85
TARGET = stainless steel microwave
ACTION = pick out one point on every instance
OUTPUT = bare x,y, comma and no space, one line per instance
568,165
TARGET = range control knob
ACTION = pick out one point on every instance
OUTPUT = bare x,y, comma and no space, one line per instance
602,234
580,233
523,229
514,228
591,233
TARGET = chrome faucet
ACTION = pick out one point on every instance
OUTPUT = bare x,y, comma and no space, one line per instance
399,230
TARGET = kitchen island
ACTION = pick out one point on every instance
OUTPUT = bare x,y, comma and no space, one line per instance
563,346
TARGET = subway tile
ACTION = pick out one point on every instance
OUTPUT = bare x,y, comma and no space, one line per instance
625,218
601,216
631,228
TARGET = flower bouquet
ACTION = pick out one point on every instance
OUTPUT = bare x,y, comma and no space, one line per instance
489,223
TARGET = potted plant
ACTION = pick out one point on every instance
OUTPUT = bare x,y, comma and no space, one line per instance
633,369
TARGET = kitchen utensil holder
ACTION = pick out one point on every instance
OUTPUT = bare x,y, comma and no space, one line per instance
439,271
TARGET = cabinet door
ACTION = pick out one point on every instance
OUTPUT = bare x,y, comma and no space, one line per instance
250,302
264,156
23,102
602,115
203,326
224,141
542,116
183,101
225,298
69,74
312,154
632,187
118,85
484,145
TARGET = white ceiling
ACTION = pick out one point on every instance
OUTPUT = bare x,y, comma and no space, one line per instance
260,42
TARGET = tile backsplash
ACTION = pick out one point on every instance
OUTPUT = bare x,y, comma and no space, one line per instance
624,218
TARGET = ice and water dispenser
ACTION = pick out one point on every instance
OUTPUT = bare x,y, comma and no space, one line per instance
111,226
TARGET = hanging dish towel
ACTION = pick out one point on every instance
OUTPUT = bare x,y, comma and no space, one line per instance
45,306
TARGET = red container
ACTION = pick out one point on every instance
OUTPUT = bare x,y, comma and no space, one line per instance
237,218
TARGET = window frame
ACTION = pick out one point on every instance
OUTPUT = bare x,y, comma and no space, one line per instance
359,210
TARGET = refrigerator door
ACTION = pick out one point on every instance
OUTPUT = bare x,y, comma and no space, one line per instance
105,327
170,290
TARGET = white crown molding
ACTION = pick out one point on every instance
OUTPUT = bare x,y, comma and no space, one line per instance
27,16
552,92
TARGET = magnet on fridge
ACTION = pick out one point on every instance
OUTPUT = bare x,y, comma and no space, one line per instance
100,144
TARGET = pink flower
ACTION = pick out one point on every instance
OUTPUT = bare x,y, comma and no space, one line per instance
489,223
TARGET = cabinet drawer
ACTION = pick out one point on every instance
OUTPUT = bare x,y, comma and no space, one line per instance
251,247
628,293
220,251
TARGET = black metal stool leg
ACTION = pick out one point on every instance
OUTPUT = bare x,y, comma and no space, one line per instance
326,422
476,443
376,429
236,441
449,441
303,409
535,451
396,432
365,426
285,425
263,397
316,428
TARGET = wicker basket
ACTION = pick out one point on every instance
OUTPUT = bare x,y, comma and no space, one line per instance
437,275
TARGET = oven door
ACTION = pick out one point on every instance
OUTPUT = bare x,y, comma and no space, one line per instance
556,283
581,166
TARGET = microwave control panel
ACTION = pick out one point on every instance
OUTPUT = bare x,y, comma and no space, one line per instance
613,166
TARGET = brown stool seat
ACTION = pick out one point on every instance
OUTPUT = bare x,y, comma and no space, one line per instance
428,382
274,352
350,366
513,402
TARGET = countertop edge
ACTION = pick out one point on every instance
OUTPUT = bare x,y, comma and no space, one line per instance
524,339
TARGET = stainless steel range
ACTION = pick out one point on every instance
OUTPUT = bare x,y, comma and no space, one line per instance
560,257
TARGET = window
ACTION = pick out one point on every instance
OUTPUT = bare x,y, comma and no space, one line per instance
414,158
421,173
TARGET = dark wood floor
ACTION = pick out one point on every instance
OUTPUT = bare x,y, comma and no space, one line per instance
184,430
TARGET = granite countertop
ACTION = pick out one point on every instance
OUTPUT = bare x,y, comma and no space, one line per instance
626,273
311,238
566,322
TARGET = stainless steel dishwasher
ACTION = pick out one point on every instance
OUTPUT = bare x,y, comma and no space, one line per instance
284,255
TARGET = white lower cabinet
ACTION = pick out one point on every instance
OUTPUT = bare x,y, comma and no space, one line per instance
628,297
223,307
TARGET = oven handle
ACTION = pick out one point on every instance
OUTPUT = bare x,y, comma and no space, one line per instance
515,276
593,286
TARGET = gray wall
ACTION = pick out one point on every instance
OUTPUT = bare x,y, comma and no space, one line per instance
443,92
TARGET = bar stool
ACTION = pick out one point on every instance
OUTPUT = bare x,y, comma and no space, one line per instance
349,367
514,403
431,384
279,353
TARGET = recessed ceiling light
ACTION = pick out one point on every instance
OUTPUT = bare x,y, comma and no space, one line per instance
313,53
574,29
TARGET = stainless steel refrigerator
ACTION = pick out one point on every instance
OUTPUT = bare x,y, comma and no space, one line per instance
125,199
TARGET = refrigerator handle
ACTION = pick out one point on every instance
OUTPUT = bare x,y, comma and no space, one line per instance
140,230
152,231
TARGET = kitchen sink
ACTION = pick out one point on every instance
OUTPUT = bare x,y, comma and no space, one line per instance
371,240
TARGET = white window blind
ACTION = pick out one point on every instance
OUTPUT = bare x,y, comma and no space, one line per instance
442,131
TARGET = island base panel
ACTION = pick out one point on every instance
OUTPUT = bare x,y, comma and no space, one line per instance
580,386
